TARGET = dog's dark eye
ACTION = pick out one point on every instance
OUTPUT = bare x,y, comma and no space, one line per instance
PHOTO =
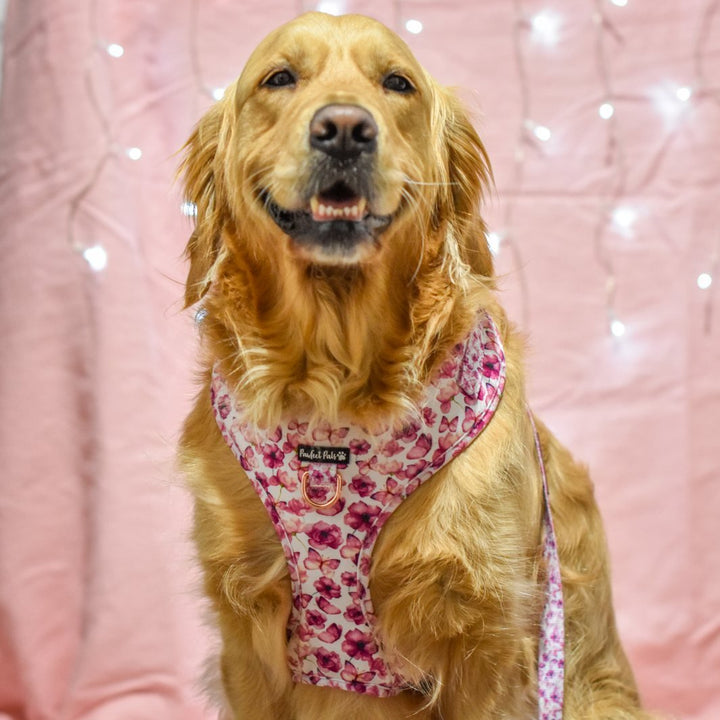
281,78
398,83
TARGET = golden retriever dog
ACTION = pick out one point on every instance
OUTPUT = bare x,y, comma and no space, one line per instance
369,555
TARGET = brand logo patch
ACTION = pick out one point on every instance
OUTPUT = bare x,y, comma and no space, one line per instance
319,454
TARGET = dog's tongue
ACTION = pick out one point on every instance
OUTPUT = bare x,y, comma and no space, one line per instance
324,209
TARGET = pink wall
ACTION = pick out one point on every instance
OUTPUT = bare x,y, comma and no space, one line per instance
99,617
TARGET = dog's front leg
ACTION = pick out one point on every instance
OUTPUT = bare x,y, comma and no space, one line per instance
245,573
313,703
255,676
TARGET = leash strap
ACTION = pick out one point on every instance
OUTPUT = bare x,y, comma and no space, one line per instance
551,650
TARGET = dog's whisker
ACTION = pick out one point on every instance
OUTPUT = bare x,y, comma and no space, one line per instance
263,171
414,204
439,183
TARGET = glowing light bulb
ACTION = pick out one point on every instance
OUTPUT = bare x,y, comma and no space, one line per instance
134,153
218,93
624,218
617,328
115,50
606,111
542,133
619,3
188,209
493,241
671,101
96,257
546,27
331,7
414,26
704,281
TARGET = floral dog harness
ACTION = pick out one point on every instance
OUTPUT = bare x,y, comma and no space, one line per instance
329,490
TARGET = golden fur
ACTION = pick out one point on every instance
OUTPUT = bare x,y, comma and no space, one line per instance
457,576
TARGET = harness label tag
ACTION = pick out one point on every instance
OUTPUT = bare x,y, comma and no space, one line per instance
319,454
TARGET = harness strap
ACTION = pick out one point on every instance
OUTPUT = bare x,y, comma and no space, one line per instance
551,649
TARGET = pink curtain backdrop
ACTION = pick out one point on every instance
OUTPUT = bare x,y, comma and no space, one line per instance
598,221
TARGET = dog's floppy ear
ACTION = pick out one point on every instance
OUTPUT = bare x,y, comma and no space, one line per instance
202,187
468,177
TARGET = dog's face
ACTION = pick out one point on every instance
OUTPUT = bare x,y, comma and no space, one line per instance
328,115
331,142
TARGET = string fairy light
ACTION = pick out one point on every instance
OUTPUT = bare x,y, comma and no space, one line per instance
617,328
95,255
610,212
188,209
115,50
541,132
414,26
672,102
683,93
332,7
703,92
705,281
606,110
545,27
624,218
705,27
493,240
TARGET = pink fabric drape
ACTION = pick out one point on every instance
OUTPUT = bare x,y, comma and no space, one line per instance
605,219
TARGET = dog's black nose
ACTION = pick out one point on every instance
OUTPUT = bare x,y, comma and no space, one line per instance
343,131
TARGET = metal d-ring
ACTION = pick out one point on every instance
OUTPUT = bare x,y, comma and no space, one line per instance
321,506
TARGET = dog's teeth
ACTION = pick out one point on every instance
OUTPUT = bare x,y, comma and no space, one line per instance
329,212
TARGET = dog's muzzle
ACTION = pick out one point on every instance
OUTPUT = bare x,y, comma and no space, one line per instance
338,216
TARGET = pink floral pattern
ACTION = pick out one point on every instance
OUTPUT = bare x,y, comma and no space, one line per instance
332,639
551,649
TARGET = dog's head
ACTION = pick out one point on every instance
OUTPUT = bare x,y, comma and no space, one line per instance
334,148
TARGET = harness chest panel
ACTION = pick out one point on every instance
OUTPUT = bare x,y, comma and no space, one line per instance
329,490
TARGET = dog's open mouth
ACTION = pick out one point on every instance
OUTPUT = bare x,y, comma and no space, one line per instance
338,202
335,223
